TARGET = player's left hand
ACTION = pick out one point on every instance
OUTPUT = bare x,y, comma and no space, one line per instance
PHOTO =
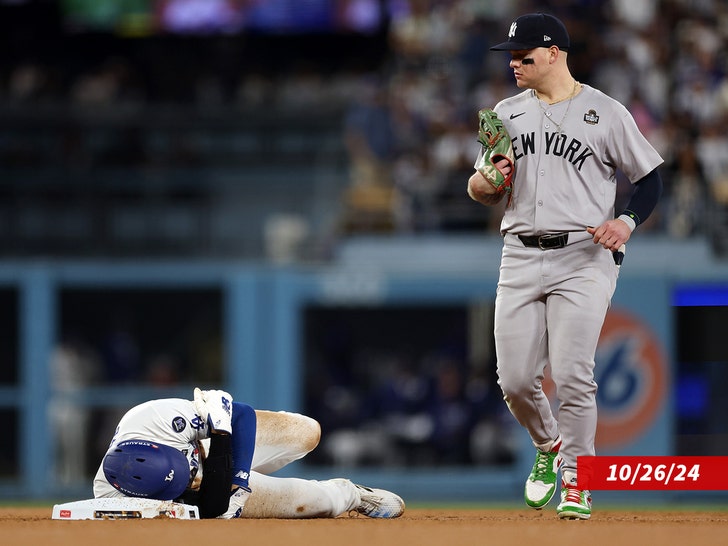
497,161
612,234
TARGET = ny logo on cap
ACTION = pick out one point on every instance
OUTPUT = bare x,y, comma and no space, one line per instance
512,31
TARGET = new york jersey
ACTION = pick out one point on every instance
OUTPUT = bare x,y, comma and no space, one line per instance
566,160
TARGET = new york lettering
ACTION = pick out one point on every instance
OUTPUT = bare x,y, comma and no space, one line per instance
559,145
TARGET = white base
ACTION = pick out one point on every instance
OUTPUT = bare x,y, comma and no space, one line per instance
124,508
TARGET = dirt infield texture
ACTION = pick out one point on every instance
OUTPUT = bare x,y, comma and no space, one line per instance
417,527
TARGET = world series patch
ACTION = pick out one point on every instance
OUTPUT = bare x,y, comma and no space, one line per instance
179,424
591,117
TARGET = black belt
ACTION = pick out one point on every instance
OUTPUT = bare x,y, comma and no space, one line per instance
545,242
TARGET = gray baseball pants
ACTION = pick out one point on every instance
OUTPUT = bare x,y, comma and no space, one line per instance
549,310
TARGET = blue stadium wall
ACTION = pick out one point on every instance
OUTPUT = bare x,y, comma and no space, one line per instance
262,343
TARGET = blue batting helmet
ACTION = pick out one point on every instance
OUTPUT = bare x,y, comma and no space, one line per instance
139,468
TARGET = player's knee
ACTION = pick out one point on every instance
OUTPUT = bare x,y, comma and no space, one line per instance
311,433
304,432
299,433
517,388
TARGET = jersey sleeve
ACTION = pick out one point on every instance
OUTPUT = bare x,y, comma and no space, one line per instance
629,150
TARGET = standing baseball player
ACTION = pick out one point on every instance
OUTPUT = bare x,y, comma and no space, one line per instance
216,454
562,244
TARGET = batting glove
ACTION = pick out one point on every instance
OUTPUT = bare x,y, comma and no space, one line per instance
238,498
215,408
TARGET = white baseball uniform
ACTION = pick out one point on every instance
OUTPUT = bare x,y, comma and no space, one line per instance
281,438
550,304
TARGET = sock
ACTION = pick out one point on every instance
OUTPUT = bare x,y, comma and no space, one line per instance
569,477
553,445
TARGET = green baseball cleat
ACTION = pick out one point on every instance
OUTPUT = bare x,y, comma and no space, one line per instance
541,483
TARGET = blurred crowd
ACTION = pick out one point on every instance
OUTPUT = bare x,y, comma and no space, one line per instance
409,122
405,411
413,131
422,395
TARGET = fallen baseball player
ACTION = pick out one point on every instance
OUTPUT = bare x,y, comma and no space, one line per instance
211,457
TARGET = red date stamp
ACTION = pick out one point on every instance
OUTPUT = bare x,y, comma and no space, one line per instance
652,473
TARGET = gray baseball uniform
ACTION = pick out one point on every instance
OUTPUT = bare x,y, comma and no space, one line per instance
551,304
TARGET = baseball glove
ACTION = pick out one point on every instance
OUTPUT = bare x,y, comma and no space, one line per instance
497,146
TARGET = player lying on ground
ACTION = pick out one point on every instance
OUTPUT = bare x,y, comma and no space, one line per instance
217,454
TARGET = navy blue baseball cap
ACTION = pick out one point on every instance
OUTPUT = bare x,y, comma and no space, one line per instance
535,30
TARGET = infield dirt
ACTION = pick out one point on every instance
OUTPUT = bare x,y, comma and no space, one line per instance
417,527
